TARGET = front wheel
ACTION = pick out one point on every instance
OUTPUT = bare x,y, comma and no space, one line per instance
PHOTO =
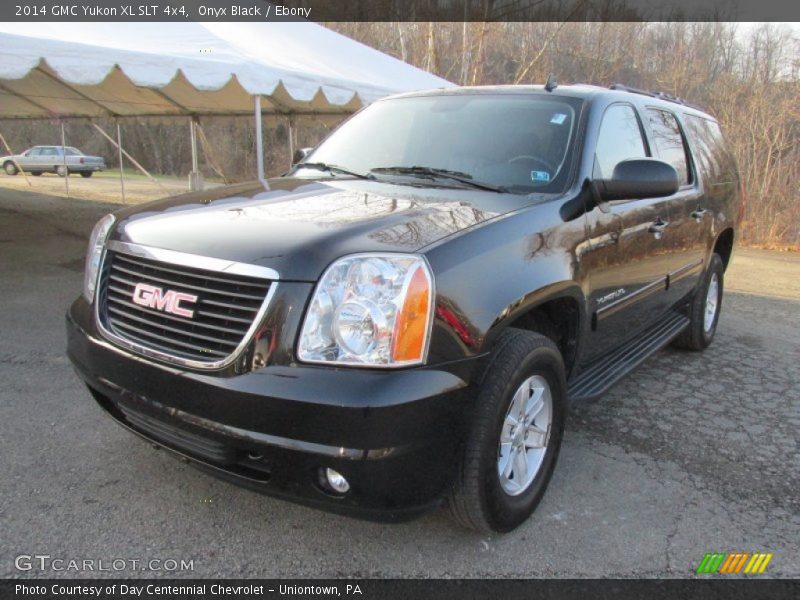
514,436
10,168
704,309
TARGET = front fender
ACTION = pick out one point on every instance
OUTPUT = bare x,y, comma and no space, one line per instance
489,276
553,291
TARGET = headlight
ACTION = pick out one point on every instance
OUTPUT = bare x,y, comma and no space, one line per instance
370,310
94,254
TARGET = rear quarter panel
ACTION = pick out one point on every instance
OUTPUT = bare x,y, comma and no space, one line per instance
718,173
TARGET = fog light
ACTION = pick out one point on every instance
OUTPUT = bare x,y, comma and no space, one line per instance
336,481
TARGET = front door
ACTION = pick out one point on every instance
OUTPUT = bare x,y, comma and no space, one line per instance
627,255
29,160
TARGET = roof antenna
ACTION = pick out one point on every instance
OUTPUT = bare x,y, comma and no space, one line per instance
551,83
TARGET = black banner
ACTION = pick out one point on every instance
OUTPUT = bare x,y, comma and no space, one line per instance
398,10
368,589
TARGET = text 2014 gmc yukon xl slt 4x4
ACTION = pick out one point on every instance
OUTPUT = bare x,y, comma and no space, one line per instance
401,320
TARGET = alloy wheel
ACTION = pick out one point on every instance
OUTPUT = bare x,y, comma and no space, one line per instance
524,435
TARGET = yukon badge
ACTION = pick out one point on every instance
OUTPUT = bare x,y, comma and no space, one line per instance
169,301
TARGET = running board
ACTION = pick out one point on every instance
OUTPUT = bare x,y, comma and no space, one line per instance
600,375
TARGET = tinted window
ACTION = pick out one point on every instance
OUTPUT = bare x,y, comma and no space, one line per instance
710,152
34,152
668,140
620,138
73,151
47,152
522,142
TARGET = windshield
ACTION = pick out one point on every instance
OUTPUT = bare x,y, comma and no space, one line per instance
520,143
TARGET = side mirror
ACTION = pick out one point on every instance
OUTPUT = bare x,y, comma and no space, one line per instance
638,178
301,154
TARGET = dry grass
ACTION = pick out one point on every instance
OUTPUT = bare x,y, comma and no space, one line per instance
775,247
101,187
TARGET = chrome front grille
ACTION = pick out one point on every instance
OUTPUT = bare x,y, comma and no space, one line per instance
228,307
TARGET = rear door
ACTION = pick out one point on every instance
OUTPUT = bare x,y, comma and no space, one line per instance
715,168
689,216
48,159
626,259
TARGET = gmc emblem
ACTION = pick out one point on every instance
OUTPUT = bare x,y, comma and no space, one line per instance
169,301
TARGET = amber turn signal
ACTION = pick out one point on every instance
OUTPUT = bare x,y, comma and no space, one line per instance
411,325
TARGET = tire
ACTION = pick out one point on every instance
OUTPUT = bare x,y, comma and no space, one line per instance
481,498
702,327
10,168
86,174
36,173
62,171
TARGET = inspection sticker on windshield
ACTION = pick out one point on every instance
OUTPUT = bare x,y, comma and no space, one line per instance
558,118
540,176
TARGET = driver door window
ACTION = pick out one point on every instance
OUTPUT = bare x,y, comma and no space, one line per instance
620,138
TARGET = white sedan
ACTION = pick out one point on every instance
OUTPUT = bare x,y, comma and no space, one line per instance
52,159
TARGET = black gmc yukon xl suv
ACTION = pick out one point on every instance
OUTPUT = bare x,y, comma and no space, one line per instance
402,319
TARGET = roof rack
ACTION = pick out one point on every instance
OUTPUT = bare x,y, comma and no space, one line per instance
659,95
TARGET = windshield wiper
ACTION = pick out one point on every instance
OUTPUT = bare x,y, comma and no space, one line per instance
321,166
434,173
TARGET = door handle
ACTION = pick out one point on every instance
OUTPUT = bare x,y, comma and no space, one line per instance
658,227
698,214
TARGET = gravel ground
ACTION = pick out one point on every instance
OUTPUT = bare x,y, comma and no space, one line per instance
691,453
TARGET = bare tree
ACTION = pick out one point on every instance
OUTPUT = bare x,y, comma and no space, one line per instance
747,76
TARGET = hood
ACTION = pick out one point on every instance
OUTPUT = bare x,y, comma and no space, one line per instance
300,226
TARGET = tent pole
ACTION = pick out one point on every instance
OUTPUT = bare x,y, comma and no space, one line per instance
19,168
291,141
119,149
127,155
195,179
208,152
259,143
64,156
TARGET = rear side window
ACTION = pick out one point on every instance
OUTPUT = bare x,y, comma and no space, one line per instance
668,140
620,138
711,155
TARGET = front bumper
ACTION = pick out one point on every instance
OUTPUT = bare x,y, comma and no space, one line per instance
393,434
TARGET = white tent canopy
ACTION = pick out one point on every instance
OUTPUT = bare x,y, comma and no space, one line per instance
63,70
125,69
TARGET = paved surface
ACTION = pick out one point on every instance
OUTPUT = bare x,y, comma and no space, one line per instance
692,453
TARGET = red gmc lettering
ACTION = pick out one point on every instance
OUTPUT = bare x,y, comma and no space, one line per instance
169,301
